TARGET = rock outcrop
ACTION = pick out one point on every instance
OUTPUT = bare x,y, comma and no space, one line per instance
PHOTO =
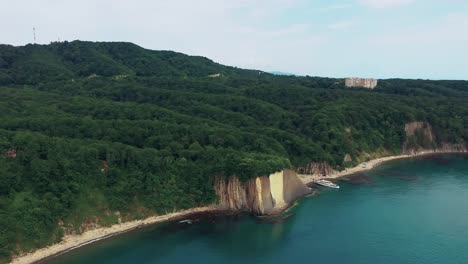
270,194
293,187
316,168
420,138
261,195
347,158
361,82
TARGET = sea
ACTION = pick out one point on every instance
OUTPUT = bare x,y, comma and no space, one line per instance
404,211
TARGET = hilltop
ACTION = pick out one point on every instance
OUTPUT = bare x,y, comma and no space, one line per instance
64,60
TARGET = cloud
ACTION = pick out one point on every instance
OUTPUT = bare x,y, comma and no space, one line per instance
442,32
379,4
336,7
341,25
435,50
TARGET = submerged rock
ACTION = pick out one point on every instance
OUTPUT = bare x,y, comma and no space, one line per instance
437,159
276,219
359,179
402,176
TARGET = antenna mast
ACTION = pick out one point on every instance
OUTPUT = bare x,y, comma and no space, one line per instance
34,34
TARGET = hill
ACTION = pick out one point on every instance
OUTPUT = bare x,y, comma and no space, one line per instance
58,61
282,73
90,132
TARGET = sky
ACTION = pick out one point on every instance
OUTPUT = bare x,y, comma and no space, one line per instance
425,39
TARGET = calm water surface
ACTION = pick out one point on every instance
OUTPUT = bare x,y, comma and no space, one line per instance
406,211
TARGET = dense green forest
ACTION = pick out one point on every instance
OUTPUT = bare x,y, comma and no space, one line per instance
88,129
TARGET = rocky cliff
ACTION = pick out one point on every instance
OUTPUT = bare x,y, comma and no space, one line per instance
261,195
420,138
316,168
269,194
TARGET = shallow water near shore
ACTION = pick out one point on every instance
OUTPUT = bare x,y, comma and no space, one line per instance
405,211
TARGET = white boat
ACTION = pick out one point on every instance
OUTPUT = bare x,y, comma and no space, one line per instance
326,183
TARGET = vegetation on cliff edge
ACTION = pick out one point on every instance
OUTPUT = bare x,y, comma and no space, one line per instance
88,129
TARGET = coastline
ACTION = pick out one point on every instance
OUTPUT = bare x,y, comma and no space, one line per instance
71,242
368,165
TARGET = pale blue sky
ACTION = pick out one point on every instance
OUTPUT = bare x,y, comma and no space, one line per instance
365,38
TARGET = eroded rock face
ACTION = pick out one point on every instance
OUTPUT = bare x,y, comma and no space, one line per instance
424,127
447,147
277,189
316,168
261,195
265,202
420,138
347,158
293,187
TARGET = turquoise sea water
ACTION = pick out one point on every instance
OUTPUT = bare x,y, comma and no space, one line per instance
405,211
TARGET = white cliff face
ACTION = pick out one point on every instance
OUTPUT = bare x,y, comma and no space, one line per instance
277,189
261,195
258,185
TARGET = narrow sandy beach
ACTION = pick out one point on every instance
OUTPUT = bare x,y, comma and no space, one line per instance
309,178
75,241
71,242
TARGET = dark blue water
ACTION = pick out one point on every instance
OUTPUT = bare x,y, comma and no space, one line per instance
406,211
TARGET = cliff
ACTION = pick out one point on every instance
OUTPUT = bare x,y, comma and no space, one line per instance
260,195
361,82
316,168
420,138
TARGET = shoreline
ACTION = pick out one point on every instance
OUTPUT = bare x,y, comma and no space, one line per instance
368,165
71,242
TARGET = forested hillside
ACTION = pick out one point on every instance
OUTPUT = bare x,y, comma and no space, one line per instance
88,129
